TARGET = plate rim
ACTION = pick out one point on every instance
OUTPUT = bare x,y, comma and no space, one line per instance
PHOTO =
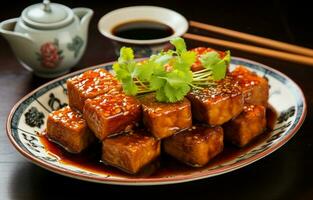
153,181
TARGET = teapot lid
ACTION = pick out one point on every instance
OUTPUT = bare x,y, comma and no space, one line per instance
47,15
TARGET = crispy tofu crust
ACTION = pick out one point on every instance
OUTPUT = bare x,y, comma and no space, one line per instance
67,128
248,125
255,88
196,146
130,152
218,103
111,113
89,85
165,119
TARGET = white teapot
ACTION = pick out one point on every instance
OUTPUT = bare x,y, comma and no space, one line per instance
48,38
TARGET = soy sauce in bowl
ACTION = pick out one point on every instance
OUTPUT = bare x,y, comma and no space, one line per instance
142,30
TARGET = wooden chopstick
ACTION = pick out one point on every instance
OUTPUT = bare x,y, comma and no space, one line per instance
253,49
255,39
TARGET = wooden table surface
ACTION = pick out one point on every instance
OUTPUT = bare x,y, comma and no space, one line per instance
285,174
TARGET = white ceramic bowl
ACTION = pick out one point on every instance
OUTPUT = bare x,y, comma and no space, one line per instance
142,48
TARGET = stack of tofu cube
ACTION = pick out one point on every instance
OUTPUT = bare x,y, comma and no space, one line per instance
131,129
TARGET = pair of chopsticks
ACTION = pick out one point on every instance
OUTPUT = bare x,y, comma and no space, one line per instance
293,53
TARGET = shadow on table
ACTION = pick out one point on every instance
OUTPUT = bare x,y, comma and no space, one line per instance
32,182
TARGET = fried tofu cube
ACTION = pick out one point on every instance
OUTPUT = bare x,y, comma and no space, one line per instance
90,84
218,103
248,125
68,128
254,87
111,113
196,66
130,152
165,119
196,146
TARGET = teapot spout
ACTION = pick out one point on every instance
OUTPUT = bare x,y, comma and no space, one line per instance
84,15
15,39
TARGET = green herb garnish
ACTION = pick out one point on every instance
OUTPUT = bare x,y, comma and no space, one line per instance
212,62
168,73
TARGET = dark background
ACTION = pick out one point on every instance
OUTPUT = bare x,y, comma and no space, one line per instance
285,174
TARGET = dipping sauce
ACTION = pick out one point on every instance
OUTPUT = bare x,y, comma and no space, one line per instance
142,30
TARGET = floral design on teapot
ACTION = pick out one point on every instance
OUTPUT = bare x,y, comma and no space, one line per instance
50,55
75,45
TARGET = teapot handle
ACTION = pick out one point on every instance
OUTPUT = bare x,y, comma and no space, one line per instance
84,14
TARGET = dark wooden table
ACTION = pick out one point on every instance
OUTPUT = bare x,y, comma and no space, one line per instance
285,174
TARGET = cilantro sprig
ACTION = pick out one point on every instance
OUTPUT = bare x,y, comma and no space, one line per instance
214,68
168,73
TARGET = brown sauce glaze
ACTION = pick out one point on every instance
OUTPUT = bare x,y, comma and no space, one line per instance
93,82
163,167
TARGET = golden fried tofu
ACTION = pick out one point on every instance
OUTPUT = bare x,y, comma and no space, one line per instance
68,128
130,152
218,103
111,113
195,146
254,87
88,85
196,66
249,124
165,119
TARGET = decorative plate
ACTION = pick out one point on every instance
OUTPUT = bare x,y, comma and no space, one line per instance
28,118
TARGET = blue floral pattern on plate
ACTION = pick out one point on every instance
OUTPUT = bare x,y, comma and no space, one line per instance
28,118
